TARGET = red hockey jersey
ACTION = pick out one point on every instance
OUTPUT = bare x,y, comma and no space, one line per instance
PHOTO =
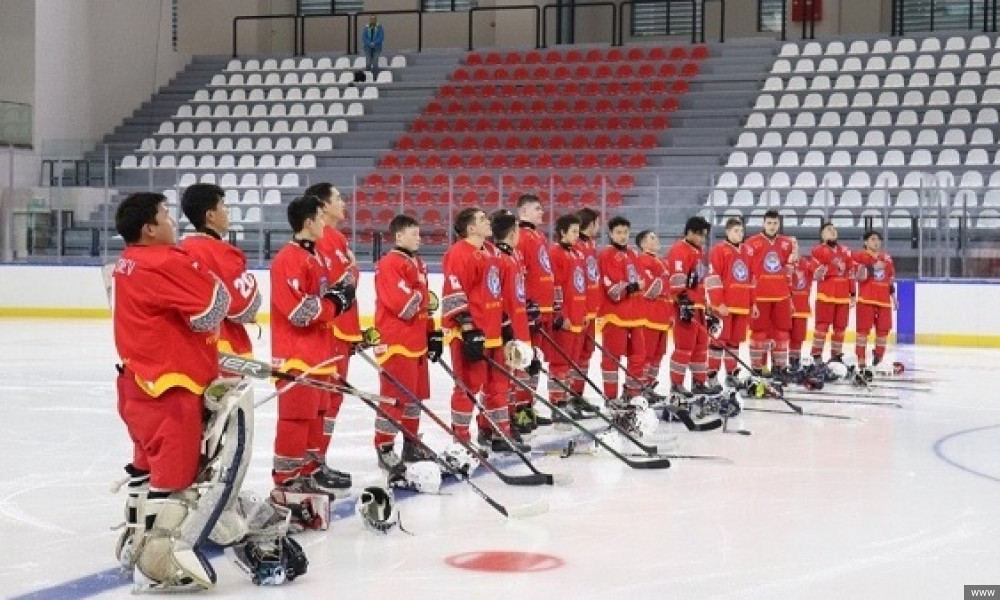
167,311
514,295
656,301
803,275
876,276
538,268
568,274
771,266
229,264
730,280
834,273
401,296
334,247
300,316
472,284
687,272
619,266
588,249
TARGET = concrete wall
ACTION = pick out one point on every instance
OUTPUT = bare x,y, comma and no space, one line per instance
17,52
95,62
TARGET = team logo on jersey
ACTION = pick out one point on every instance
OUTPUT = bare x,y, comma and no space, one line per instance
578,281
740,271
772,262
800,280
519,288
700,270
630,271
493,281
543,259
879,274
592,273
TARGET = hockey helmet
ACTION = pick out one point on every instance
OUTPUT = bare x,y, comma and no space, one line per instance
424,476
377,509
837,370
459,459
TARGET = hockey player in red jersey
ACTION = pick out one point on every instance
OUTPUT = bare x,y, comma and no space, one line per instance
802,283
472,312
345,329
534,249
730,289
835,293
656,308
166,311
304,303
407,337
505,230
771,317
569,276
686,268
590,222
876,276
204,206
621,311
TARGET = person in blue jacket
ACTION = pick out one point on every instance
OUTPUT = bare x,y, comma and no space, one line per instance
373,36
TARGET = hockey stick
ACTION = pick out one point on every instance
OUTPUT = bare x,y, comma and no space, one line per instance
290,384
650,450
850,402
654,463
848,392
572,449
780,390
537,478
682,415
560,478
262,370
801,414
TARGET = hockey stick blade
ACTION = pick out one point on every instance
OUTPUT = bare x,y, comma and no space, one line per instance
684,417
635,464
802,414
850,402
595,452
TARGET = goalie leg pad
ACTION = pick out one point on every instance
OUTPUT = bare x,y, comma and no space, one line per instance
135,516
166,560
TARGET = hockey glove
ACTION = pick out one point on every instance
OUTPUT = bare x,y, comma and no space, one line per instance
506,329
685,308
371,337
473,344
558,322
714,326
432,302
534,314
632,287
435,345
342,296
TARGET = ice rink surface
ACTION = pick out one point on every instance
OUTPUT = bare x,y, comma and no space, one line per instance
890,503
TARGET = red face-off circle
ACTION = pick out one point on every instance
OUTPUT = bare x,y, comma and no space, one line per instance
505,562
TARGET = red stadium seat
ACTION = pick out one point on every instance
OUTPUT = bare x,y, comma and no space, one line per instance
615,55
603,105
646,71
657,86
374,180
582,72
498,161
533,57
635,54
460,74
671,104
657,53
501,74
613,161
481,75
389,161
432,162
689,69
699,53
668,70
659,122
448,91
680,87
625,141
485,182
603,71
573,56
513,58
553,57
540,73
543,160
594,55
625,180
448,143
678,53
461,125
565,198
512,142
493,59
636,161
474,59
418,180
470,142
580,142
636,88
624,71
562,72
411,161
648,141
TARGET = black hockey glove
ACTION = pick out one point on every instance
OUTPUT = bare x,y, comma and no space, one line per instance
558,321
473,344
632,287
685,308
506,329
342,296
534,314
435,345
534,367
